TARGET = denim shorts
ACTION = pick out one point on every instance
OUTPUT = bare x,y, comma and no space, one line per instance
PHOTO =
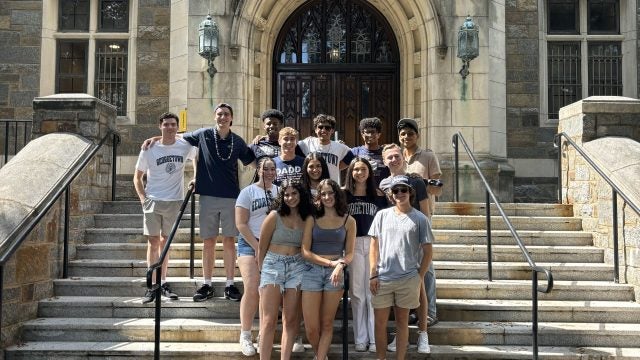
318,278
283,270
244,249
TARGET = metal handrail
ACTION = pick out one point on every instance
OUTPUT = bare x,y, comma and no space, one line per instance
157,267
27,226
345,314
535,269
615,191
26,136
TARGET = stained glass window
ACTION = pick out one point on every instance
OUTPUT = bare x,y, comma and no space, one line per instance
335,32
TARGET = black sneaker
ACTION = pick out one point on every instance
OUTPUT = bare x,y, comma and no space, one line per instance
166,292
231,292
205,292
413,318
148,297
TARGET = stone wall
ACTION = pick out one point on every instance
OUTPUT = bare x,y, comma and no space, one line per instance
152,73
20,27
591,123
28,181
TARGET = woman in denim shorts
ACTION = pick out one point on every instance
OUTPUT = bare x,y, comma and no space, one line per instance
327,245
281,266
252,207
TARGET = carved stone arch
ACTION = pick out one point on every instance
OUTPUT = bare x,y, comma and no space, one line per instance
257,23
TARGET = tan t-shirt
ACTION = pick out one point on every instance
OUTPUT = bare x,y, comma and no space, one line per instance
424,162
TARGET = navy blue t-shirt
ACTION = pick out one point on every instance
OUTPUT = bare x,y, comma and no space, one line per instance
216,176
288,170
364,210
380,170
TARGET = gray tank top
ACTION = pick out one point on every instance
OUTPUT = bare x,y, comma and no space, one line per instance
282,235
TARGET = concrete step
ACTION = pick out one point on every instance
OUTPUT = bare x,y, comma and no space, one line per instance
138,268
448,309
521,290
227,331
56,350
442,208
454,222
548,311
498,237
444,269
446,288
441,252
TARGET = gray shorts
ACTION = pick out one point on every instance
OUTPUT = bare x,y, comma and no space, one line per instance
159,216
215,214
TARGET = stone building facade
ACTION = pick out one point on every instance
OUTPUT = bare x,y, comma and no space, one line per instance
502,107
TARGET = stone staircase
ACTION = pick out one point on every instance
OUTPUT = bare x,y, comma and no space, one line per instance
97,311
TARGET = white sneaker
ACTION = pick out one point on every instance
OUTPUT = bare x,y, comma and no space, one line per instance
361,347
298,346
372,348
423,343
392,346
247,346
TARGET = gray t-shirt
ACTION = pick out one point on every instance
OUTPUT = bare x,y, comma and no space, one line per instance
400,240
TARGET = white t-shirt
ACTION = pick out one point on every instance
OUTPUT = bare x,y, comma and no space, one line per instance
164,165
255,199
333,153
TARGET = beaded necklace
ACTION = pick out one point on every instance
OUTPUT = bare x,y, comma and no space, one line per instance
215,139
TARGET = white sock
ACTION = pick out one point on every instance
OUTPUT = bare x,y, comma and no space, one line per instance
229,282
163,282
206,282
245,334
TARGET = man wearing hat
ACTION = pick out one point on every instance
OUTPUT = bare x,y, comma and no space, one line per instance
423,162
399,256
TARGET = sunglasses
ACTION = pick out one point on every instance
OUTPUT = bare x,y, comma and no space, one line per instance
324,127
400,190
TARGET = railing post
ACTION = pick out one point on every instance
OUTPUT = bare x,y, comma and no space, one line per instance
114,157
534,314
6,143
1,295
614,206
345,315
489,256
455,161
158,292
65,242
192,246
558,140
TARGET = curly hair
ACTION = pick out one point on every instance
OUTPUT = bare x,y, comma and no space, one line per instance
350,183
274,114
323,118
305,208
372,122
339,196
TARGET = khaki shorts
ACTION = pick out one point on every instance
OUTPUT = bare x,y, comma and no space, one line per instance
159,216
403,293
217,214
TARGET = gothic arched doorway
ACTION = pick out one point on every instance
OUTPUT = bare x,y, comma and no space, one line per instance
337,57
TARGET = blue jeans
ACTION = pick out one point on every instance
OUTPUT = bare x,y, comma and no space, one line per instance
244,249
318,278
430,288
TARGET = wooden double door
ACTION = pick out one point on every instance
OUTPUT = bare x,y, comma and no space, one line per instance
348,95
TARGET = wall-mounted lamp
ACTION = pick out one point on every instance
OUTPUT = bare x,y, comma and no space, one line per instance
468,46
208,43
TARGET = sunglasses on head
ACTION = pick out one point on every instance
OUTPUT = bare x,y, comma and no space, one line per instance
399,189
324,127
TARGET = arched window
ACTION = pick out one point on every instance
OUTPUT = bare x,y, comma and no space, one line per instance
336,32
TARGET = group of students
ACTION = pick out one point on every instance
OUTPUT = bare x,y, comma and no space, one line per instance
299,228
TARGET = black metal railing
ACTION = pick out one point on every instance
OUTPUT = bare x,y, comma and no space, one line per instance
535,269
15,135
345,315
17,238
157,267
615,191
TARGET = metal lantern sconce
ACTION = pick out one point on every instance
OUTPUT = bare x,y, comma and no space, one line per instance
468,45
208,43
